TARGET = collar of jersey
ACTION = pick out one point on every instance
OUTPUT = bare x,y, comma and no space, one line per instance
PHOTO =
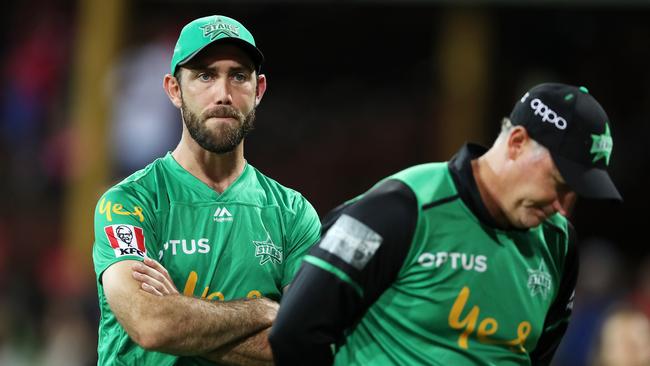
203,189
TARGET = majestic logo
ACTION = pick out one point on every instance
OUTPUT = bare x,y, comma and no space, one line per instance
218,29
601,146
222,214
547,114
126,240
539,281
267,251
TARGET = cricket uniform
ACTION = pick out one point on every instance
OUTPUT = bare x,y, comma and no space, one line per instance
416,272
246,242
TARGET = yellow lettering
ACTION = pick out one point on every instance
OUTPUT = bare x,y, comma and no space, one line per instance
488,327
523,331
190,287
469,323
118,209
137,211
105,209
217,294
190,284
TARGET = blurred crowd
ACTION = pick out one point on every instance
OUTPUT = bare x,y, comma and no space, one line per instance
47,317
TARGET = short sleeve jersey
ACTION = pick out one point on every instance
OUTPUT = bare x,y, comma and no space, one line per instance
245,242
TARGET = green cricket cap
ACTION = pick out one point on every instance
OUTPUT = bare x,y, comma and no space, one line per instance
201,32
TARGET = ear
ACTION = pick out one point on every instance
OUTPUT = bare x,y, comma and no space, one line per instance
261,88
173,90
517,140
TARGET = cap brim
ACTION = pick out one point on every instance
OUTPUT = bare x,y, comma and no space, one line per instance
588,182
255,54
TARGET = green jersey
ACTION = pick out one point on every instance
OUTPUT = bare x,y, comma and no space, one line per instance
245,242
421,275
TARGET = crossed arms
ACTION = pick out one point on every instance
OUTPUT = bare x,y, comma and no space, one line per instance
153,313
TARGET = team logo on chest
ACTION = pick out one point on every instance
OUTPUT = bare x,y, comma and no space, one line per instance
267,251
539,281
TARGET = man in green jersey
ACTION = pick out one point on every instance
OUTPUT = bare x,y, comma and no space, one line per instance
230,238
466,262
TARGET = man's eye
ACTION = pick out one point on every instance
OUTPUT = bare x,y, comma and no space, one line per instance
240,76
204,77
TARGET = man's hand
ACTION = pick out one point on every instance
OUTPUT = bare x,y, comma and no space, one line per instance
154,278
253,350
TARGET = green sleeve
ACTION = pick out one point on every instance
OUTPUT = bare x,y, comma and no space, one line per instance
123,229
303,233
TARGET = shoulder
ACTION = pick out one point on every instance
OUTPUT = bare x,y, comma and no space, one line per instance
275,193
136,193
429,182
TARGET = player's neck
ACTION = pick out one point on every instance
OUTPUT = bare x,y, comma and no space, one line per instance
487,181
218,171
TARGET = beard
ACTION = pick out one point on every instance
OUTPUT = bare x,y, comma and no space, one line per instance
228,137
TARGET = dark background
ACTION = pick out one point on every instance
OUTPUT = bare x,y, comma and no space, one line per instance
357,90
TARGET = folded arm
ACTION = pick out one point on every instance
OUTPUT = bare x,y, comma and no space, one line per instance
179,324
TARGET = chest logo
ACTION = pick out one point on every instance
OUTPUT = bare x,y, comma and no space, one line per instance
222,215
539,281
267,251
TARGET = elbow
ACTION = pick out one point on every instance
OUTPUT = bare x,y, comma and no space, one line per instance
150,335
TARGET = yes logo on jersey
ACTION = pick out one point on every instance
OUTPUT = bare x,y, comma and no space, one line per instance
126,240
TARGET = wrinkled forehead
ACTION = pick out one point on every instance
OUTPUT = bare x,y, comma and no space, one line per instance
221,51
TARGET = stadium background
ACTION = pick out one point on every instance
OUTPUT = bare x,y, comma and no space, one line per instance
357,90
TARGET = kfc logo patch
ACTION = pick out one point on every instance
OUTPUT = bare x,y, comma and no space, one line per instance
126,240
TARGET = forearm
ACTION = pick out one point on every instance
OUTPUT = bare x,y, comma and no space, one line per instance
251,351
189,326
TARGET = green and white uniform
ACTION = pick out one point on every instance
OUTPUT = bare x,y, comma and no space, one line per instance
416,272
245,242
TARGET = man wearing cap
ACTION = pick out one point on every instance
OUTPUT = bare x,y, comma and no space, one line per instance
465,262
202,220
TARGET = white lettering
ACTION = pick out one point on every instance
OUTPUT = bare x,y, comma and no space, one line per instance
174,243
481,263
547,114
442,258
454,257
204,247
426,259
467,266
188,246
190,250
456,260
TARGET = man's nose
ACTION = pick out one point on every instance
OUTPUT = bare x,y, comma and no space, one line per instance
564,202
222,92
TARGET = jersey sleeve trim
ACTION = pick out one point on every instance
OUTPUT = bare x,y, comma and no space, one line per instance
326,266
